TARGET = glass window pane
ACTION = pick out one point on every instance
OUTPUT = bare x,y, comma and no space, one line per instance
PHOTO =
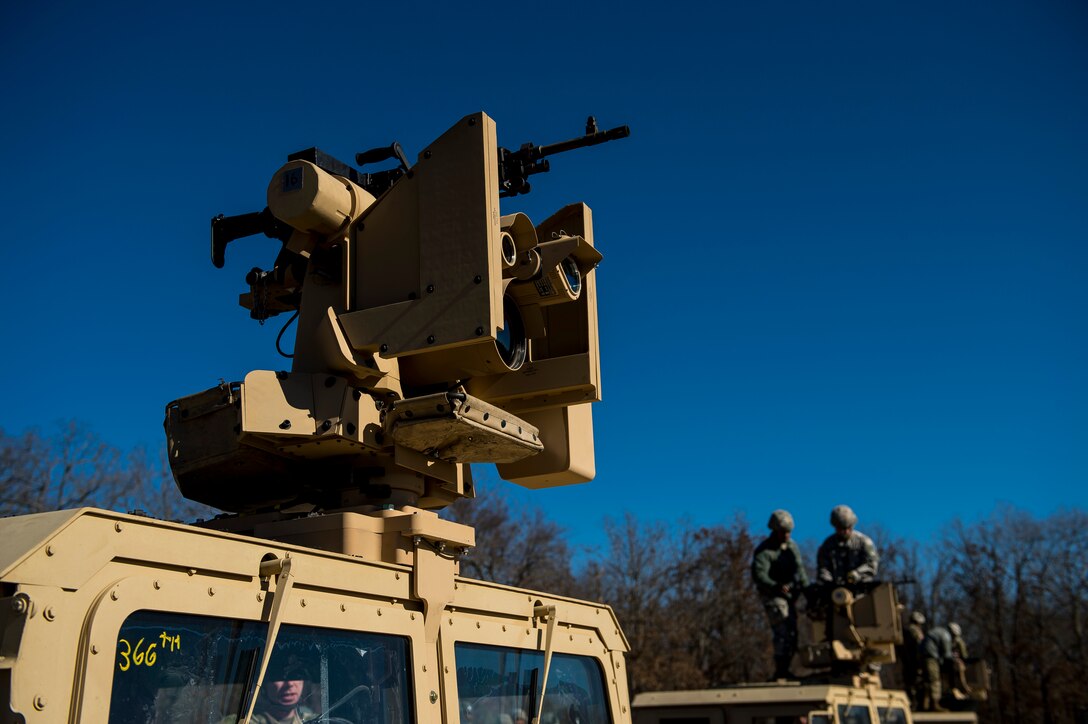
497,685
891,715
854,714
197,669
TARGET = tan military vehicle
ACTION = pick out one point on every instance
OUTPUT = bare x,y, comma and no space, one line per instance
433,332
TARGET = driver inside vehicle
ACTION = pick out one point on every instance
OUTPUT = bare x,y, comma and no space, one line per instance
280,700
280,703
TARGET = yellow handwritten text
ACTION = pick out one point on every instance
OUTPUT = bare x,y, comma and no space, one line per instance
135,655
172,643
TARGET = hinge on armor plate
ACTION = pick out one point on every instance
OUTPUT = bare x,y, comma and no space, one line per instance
14,611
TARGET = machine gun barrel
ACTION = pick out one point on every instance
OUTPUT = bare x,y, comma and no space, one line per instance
515,167
590,139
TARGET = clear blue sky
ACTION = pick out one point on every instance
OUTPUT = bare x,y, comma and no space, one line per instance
845,245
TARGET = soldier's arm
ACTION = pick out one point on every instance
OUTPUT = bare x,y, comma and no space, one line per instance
761,572
867,570
802,574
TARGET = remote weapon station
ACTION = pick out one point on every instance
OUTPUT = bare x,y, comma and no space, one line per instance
433,332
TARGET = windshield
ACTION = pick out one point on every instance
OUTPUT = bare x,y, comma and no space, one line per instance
497,685
187,669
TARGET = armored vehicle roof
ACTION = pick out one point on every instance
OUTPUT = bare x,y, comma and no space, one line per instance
785,692
66,548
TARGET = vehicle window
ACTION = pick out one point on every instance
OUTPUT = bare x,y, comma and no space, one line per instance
891,715
497,685
819,717
854,714
187,669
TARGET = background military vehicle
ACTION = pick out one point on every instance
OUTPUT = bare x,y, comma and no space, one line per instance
853,676
859,701
433,332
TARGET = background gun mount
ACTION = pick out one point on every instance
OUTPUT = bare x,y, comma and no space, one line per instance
853,628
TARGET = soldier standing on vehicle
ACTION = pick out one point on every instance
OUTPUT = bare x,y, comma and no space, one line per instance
937,652
779,575
959,659
847,556
911,657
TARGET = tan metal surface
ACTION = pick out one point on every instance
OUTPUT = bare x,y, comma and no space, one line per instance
452,239
90,569
945,717
568,455
750,703
564,365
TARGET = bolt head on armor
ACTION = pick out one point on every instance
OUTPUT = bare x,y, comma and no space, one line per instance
843,517
781,520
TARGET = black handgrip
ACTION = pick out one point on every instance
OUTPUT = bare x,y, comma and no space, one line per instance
380,154
226,229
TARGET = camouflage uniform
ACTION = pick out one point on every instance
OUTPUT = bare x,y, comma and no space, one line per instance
911,658
959,659
300,715
959,646
777,563
838,557
937,651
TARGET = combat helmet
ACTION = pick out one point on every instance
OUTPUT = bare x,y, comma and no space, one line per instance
843,517
780,520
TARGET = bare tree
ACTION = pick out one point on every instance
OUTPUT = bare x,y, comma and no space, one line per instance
518,547
1021,586
73,468
159,496
726,630
636,576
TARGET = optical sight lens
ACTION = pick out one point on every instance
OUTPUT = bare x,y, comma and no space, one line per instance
573,276
511,340
509,250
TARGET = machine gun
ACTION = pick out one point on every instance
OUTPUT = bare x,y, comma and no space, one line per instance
515,167
433,332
